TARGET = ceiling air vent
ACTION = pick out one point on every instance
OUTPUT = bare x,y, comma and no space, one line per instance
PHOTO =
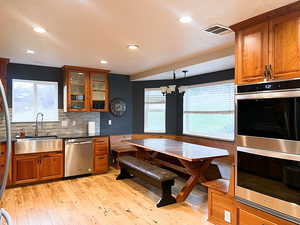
218,29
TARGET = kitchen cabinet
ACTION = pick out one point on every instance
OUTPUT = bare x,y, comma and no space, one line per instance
247,215
246,218
98,92
3,73
269,50
2,164
85,89
29,168
26,168
252,54
285,47
101,146
51,166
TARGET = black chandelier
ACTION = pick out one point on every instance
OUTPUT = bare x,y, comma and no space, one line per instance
174,89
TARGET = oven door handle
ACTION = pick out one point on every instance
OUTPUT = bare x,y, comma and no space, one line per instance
268,153
269,94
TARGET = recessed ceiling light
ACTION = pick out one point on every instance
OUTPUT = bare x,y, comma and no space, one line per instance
133,47
29,51
185,19
103,62
39,30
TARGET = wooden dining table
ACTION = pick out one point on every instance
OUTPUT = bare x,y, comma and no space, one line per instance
194,158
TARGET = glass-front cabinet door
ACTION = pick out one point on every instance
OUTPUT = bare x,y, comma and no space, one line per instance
78,91
98,91
85,89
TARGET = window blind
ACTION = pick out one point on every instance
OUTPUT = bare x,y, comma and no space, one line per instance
155,111
208,110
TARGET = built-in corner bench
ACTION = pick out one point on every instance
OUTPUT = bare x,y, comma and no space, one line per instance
161,178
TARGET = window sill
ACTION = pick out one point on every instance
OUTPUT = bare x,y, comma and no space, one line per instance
54,121
154,132
207,137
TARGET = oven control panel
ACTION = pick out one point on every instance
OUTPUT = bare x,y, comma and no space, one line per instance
279,85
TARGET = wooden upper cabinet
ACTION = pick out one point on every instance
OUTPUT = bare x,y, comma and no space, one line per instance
99,92
85,89
268,46
3,73
77,85
252,54
284,47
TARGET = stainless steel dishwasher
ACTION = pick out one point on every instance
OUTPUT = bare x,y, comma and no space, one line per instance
78,156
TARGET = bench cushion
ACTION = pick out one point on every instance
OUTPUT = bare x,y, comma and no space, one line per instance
149,170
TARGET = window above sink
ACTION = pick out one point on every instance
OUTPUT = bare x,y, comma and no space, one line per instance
30,97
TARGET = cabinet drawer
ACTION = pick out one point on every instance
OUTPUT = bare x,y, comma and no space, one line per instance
101,140
100,163
247,218
101,145
100,148
218,204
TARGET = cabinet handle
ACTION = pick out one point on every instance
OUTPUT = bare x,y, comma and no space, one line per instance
271,72
266,72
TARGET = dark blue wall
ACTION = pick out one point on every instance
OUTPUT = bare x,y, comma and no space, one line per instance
138,95
120,86
32,72
174,105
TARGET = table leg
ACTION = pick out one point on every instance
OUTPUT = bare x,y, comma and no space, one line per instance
144,154
197,171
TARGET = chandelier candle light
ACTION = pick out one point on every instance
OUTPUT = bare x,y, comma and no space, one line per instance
174,89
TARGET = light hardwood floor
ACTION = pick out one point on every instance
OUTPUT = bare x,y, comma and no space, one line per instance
101,200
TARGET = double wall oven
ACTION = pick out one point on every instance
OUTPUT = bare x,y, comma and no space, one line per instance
268,147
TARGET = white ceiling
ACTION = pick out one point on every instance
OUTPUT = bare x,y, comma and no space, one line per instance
83,32
197,69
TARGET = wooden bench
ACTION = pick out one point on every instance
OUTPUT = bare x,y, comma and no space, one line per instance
120,148
161,178
220,198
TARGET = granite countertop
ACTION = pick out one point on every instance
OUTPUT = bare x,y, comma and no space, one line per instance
65,136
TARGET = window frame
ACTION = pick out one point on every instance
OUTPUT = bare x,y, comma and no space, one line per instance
205,136
145,112
34,82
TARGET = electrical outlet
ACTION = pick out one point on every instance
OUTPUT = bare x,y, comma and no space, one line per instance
64,123
74,123
109,122
227,216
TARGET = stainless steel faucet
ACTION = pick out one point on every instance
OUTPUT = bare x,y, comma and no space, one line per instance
36,133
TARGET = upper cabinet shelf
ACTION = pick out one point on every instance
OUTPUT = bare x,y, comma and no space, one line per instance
85,89
268,46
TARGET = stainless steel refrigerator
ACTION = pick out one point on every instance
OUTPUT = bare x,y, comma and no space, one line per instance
3,213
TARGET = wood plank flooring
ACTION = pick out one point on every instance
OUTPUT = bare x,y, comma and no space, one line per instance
101,200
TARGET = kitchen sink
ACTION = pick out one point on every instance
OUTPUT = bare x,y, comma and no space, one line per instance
38,144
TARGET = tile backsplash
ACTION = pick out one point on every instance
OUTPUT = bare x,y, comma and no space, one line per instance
69,123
